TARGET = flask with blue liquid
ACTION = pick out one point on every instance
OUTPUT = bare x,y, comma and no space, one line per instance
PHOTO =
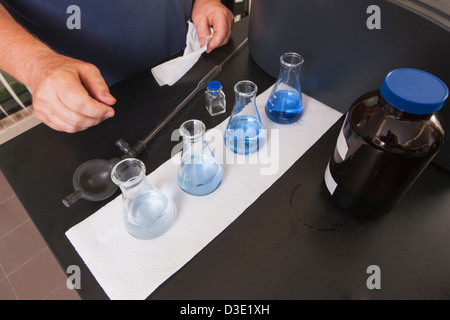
199,173
245,133
285,103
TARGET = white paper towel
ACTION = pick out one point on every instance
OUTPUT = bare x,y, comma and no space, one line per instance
171,71
127,268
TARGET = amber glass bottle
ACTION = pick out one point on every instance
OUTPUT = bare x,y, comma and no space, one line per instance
388,138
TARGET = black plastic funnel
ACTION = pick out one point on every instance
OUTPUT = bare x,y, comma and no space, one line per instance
92,181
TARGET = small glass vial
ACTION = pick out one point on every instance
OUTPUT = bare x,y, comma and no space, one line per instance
147,212
215,98
388,138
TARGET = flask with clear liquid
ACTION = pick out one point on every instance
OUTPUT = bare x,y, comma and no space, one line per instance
285,103
147,212
245,133
199,173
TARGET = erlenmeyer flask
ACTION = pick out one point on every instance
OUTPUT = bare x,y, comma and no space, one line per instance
199,173
147,212
244,133
285,104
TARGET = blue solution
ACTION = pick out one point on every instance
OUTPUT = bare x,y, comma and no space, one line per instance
284,107
244,135
149,216
199,175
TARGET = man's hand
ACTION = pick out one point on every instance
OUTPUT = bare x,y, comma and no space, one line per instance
212,13
68,94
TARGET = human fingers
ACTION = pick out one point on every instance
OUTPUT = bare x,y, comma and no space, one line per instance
75,97
95,84
68,94
69,124
56,115
222,23
60,125
203,29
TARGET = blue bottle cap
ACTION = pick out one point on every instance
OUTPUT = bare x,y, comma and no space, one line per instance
214,85
414,91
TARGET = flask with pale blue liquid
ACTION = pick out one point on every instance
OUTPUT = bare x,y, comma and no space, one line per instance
199,173
245,133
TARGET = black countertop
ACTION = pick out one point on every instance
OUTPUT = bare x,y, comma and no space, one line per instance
292,243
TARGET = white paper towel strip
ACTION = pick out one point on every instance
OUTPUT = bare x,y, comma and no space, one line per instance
127,268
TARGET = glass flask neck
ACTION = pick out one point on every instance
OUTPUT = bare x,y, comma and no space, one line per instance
291,61
245,93
290,67
129,174
193,145
193,133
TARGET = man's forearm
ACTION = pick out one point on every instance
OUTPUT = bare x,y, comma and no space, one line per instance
20,52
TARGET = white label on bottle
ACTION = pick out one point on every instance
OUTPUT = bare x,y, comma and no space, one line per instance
329,181
341,144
